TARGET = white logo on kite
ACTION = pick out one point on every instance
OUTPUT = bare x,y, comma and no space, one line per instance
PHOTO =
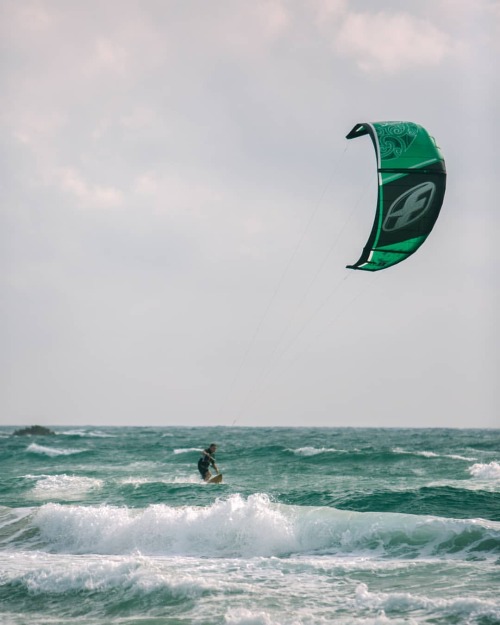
409,207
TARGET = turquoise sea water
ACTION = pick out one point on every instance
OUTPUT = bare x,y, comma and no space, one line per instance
310,526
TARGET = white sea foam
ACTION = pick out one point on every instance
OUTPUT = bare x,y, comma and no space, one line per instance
470,485
43,573
234,526
177,479
136,481
187,450
52,451
243,616
462,608
257,527
490,471
184,479
89,433
63,486
425,454
314,451
431,454
315,590
142,465
10,516
74,433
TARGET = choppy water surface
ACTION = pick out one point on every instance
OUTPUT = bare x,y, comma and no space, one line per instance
310,526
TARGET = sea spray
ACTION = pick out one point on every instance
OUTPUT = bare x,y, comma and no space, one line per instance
489,471
63,486
256,526
228,527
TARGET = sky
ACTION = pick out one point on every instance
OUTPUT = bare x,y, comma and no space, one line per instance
179,203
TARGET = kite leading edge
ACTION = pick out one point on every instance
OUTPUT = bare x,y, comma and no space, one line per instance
411,187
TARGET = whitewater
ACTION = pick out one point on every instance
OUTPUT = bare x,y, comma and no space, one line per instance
310,526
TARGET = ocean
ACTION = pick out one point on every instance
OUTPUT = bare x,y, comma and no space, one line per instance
310,526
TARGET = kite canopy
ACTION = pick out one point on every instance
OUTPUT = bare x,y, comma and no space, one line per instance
411,186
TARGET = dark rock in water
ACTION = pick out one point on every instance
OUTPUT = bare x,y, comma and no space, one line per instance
34,430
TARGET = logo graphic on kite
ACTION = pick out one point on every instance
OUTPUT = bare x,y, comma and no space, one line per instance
411,186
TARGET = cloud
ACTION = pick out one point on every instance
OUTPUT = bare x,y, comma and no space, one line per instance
109,57
32,128
273,18
177,193
493,16
328,10
31,17
391,42
88,195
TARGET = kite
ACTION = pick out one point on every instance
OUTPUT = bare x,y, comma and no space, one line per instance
411,187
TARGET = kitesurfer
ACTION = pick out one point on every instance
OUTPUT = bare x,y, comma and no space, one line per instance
207,459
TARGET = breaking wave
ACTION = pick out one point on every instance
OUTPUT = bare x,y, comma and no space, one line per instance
52,451
490,471
256,526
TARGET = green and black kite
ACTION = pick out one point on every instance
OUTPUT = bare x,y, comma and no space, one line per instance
411,186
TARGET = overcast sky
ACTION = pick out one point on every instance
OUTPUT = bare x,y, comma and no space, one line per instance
179,202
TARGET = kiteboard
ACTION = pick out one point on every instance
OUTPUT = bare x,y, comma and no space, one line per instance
217,479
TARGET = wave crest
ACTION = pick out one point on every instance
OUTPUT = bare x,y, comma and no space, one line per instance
52,451
490,471
256,526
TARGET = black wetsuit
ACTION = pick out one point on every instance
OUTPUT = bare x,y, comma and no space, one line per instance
204,463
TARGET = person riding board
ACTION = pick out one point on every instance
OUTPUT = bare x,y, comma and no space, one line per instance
207,459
